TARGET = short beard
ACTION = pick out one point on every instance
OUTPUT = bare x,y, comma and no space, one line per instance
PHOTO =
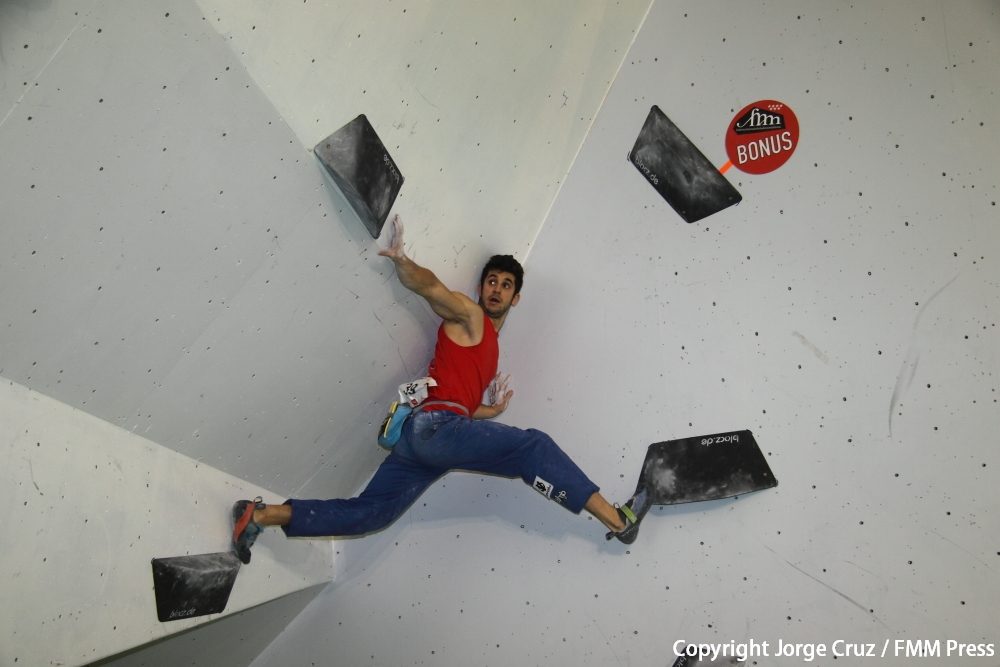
495,315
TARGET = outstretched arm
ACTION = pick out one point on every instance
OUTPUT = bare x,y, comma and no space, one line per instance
449,306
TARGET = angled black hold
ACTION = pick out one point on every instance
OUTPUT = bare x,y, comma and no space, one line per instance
675,167
189,586
707,467
363,170
685,661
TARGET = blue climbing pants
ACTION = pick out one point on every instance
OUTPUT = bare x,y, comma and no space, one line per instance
432,443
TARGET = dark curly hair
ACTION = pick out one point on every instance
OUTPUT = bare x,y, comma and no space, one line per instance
508,264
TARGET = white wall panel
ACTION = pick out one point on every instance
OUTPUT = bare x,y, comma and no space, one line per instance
483,105
89,506
174,262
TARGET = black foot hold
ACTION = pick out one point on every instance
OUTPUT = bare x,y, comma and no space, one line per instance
189,586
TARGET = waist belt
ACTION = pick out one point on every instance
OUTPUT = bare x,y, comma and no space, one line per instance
437,405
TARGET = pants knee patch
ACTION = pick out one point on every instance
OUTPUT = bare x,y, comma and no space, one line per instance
546,489
543,487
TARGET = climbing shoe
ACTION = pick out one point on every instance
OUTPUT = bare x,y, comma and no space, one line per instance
245,531
631,514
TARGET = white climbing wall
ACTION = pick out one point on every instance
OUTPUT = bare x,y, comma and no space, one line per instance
187,302
846,312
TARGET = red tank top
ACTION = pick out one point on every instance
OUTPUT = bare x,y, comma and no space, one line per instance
464,373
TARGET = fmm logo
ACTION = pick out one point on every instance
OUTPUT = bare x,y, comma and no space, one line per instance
757,120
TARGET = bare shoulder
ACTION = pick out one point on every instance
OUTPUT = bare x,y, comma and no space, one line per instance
466,330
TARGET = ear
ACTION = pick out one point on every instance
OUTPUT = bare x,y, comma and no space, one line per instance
517,297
